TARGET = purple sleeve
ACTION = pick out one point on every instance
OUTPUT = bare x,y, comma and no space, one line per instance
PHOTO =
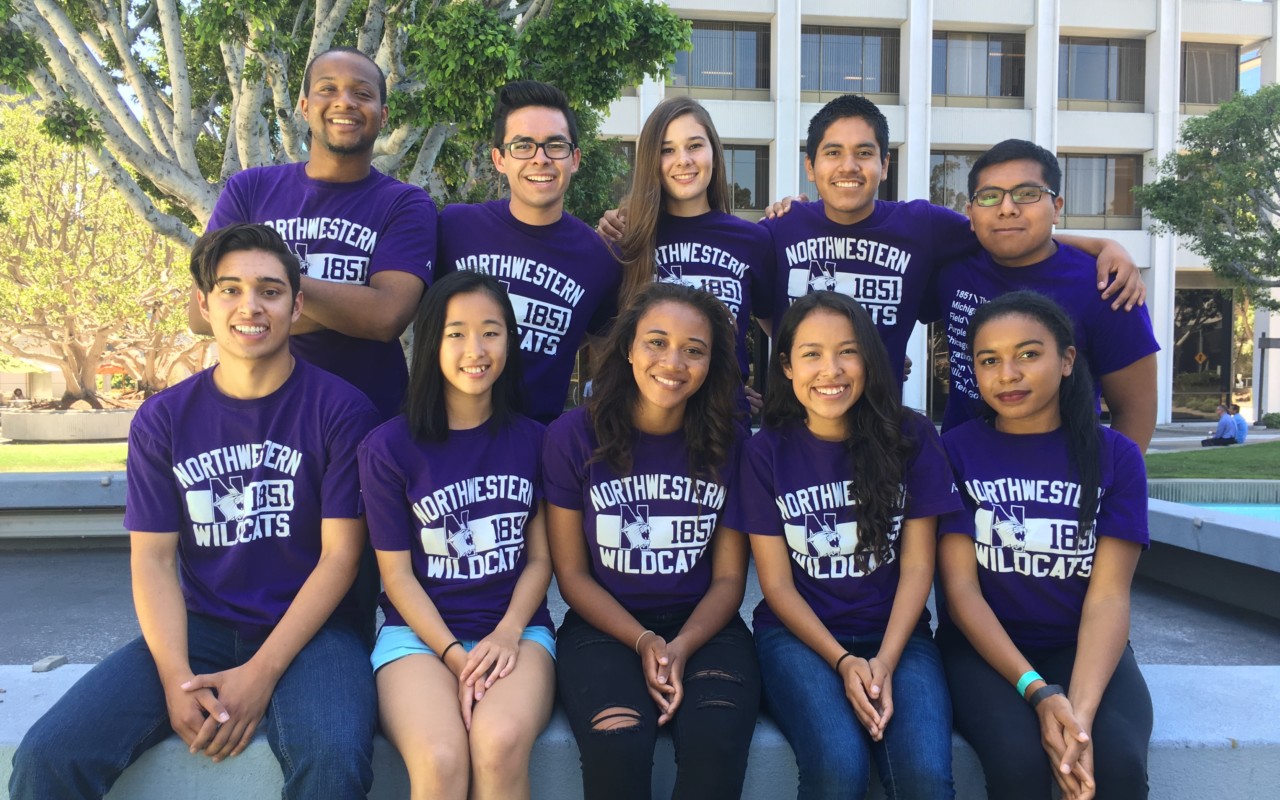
1119,338
931,489
751,507
563,465
340,488
1123,510
231,206
959,520
950,235
153,502
765,276
387,511
407,241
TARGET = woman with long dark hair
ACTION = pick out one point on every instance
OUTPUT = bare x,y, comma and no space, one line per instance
840,492
636,481
1037,569
465,661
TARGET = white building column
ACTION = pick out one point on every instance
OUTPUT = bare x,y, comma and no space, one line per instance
916,92
1266,379
786,95
1042,66
1164,52
649,93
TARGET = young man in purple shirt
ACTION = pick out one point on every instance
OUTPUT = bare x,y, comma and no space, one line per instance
882,253
562,279
365,240
1015,198
244,515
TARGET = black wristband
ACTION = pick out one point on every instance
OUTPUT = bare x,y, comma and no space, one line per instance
453,644
841,659
1046,691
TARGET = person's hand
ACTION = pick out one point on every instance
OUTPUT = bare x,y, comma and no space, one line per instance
244,692
906,367
866,686
656,662
492,658
466,702
781,207
613,224
194,716
1119,277
671,673
755,401
1065,740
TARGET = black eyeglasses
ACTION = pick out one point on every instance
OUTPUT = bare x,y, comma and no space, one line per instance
1022,195
525,149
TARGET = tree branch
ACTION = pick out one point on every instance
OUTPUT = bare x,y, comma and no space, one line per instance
184,131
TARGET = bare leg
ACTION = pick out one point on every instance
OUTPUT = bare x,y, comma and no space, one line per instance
505,724
418,704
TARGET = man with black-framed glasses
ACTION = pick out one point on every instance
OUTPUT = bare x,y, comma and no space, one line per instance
562,279
1014,202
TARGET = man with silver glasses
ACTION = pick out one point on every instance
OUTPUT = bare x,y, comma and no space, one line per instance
562,279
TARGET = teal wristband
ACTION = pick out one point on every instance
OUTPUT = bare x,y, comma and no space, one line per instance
1029,677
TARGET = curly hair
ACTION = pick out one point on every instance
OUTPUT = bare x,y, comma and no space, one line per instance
710,414
876,443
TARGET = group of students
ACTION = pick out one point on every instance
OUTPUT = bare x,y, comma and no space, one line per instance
250,485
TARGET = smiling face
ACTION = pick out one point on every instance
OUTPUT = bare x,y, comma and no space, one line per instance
251,307
538,184
847,169
826,371
687,163
1016,234
1019,373
473,348
343,106
670,357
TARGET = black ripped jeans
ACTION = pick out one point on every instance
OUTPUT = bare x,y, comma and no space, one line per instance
711,729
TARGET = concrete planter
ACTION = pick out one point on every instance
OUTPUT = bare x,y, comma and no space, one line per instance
66,426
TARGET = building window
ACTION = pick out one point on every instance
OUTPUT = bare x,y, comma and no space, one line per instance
748,167
1098,191
1210,72
849,60
888,183
1107,70
724,55
949,178
979,64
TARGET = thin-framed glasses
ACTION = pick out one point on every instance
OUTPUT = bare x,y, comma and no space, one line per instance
1022,195
524,149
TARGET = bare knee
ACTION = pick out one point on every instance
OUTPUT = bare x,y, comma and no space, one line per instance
615,718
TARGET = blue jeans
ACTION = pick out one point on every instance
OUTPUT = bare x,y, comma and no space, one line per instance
319,723
833,751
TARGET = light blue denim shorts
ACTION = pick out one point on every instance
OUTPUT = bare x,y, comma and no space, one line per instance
397,641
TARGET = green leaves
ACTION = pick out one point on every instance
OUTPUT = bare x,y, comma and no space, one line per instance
1221,191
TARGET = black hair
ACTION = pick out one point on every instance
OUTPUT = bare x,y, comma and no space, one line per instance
213,246
523,94
877,444
847,105
424,405
1018,150
382,77
1076,402
710,414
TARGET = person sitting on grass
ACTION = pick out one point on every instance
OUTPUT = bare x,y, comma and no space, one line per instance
1225,433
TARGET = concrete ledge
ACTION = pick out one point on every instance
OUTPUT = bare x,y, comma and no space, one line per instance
67,426
24,491
1194,490
1215,736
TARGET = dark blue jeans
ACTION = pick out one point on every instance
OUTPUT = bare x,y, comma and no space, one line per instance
833,751
319,723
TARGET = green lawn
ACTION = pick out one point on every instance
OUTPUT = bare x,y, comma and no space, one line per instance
1250,462
93,457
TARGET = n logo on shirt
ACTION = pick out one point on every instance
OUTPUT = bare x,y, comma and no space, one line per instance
635,526
822,536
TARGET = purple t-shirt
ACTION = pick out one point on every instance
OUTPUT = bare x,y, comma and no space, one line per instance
1108,340
1022,501
885,262
344,233
725,255
647,532
791,483
460,507
245,483
562,279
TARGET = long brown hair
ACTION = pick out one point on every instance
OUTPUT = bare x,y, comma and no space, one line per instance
709,417
644,202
